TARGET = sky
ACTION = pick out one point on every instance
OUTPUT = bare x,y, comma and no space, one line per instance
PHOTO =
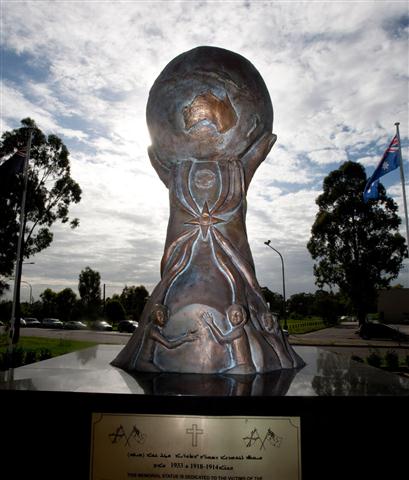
337,74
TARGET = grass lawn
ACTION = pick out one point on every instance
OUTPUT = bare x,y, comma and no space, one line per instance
55,345
32,349
304,325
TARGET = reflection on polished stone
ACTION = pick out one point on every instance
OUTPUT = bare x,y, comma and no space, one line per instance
325,374
274,383
340,376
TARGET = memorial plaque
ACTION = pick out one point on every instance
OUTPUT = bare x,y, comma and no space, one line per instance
194,447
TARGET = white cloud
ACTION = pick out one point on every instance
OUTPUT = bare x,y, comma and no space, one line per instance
369,161
328,156
14,105
336,72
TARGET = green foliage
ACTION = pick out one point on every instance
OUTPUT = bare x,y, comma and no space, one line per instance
35,349
392,360
299,325
301,304
114,311
374,359
44,354
5,310
356,246
59,305
31,357
328,306
66,301
133,300
274,299
89,286
50,192
48,298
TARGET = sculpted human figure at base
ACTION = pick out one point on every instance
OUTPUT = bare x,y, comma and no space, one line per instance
236,337
153,335
210,119
275,337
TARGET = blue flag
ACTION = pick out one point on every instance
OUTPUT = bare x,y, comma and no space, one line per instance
389,161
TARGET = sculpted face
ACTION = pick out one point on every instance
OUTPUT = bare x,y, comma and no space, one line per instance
268,320
236,316
161,318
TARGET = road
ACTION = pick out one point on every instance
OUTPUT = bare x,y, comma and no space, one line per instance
84,335
341,338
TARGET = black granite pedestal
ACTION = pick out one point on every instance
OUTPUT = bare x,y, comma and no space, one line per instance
352,416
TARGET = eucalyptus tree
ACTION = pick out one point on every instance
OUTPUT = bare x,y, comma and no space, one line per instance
50,192
356,245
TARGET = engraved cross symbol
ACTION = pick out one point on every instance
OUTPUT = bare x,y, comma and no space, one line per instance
194,431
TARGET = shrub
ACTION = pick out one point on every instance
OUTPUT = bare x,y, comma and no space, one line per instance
356,358
374,359
3,361
44,354
31,357
392,360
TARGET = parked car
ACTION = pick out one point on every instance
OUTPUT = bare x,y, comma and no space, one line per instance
379,330
127,326
32,322
52,323
75,325
102,325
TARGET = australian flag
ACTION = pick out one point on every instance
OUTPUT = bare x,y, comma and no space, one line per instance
389,161
11,167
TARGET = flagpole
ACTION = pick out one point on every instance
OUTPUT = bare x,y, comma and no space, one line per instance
15,312
402,177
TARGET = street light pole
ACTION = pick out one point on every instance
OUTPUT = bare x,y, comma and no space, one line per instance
282,269
31,291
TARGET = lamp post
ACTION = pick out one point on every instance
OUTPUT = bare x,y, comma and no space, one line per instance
31,291
29,284
104,296
282,269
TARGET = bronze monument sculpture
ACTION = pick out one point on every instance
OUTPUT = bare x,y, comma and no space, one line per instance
210,119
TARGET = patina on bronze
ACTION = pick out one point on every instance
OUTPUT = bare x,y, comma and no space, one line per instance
210,118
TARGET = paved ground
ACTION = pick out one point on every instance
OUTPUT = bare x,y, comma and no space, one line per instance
344,339
341,338
85,335
345,335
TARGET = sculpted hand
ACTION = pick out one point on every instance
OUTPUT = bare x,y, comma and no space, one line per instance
256,154
207,317
260,148
191,336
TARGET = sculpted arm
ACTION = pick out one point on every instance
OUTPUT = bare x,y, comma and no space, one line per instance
161,169
220,337
158,337
256,154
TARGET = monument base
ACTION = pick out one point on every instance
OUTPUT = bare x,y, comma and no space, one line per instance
349,414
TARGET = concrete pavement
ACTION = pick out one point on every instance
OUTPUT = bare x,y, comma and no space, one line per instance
340,338
344,335
83,335
344,340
